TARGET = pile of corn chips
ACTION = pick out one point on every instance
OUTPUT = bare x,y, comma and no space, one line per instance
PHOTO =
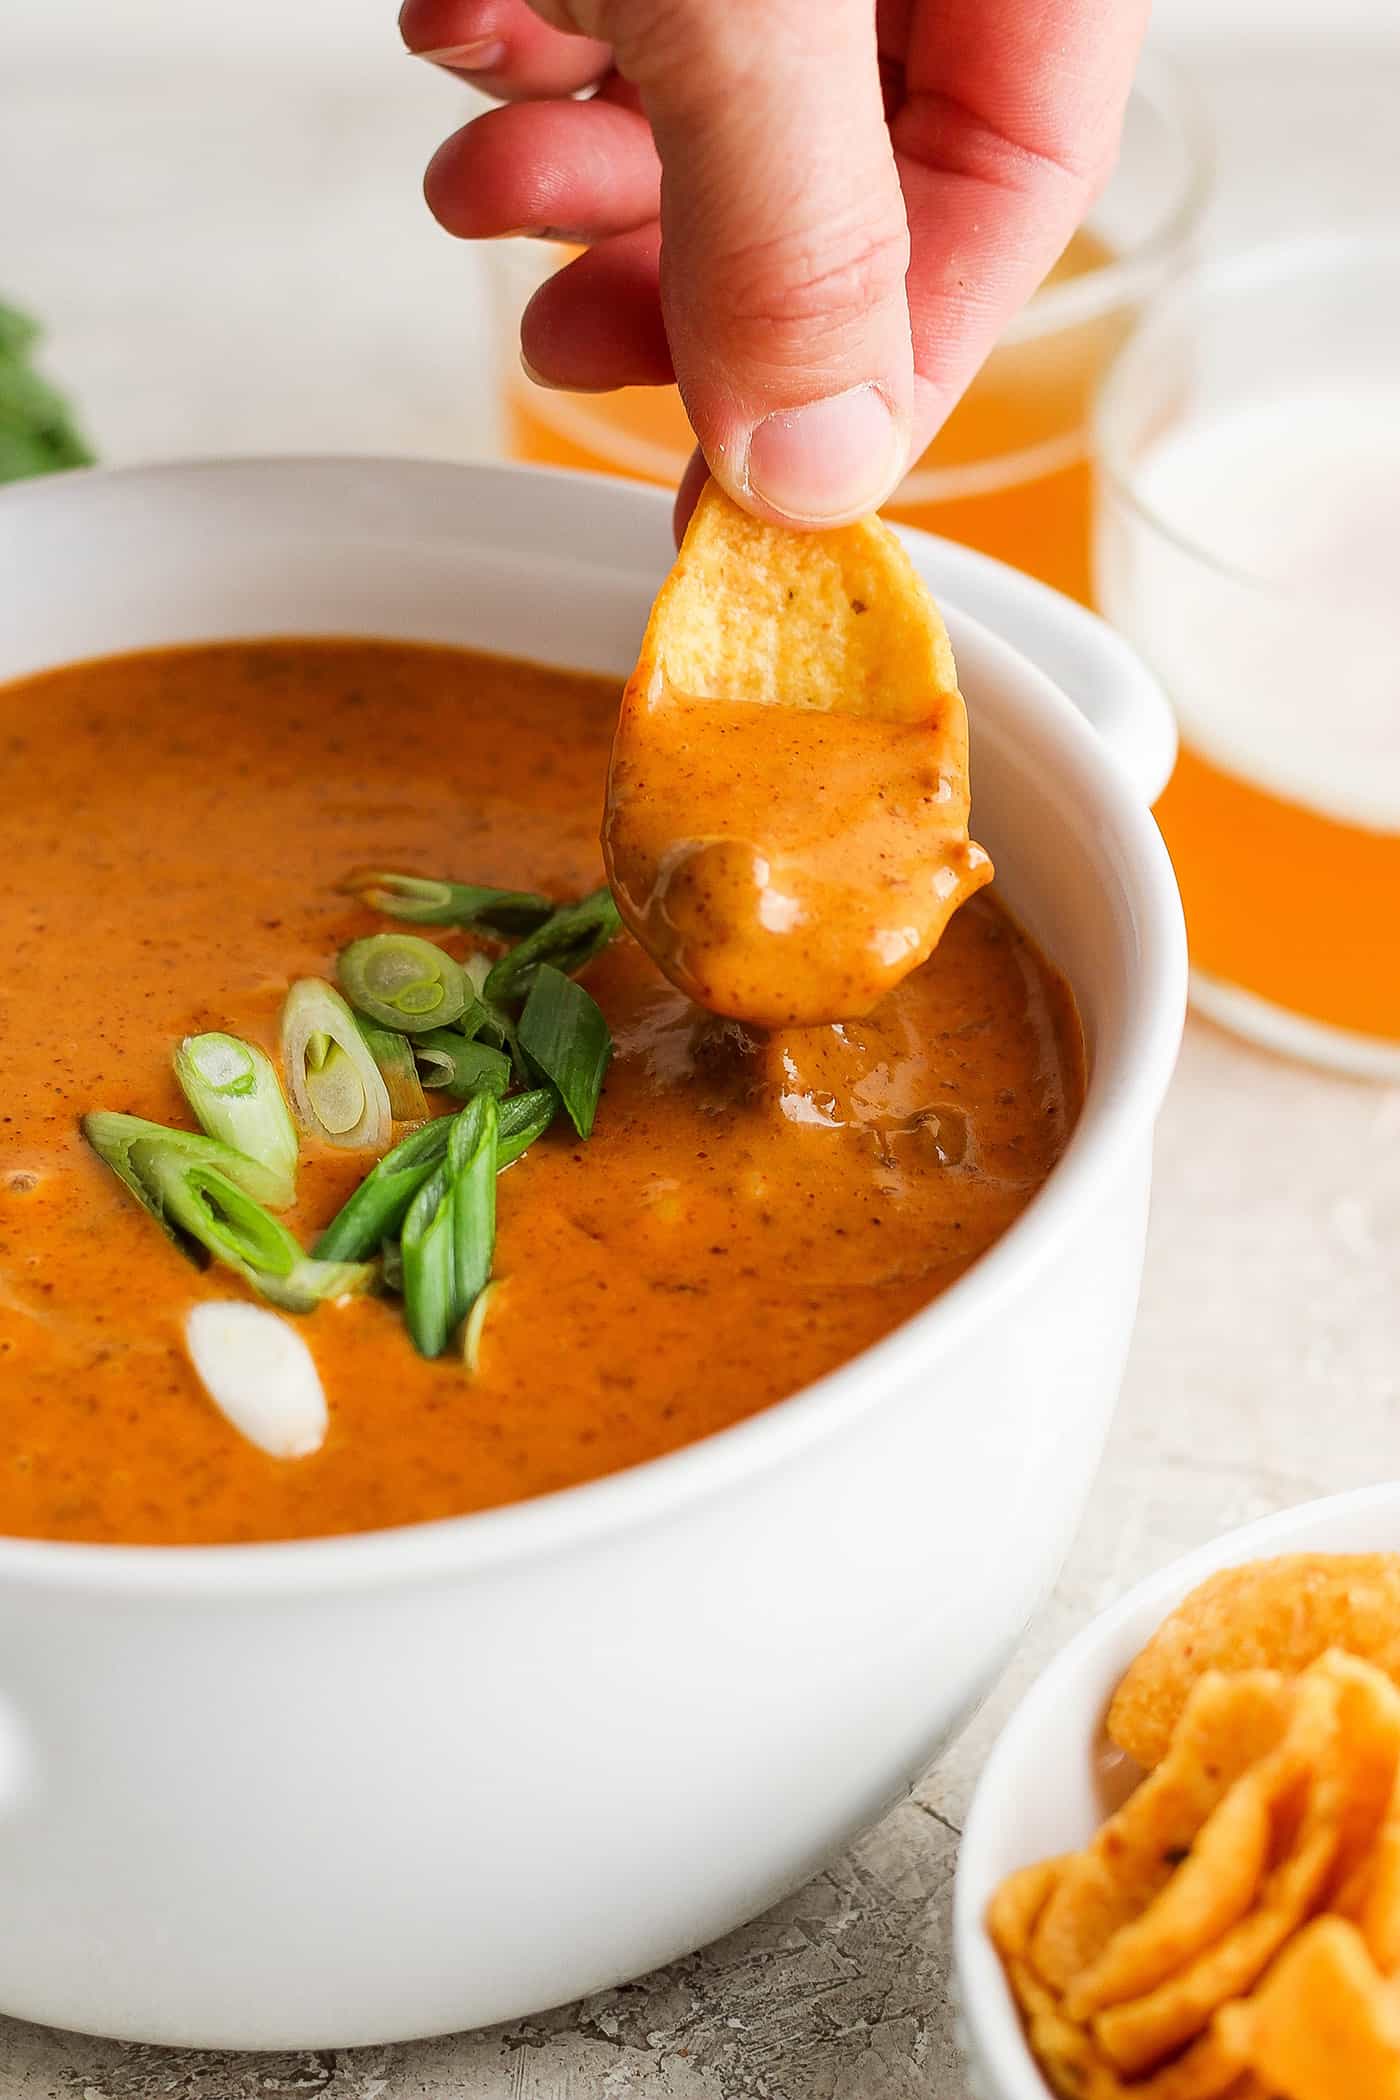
1233,1931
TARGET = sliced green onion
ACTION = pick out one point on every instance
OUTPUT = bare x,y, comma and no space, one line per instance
449,1063
393,1053
432,903
199,1192
471,1165
379,1205
450,1230
476,969
310,1283
112,1137
475,1322
428,1268
233,1088
484,1023
402,982
564,1035
571,938
337,1091
201,1201
391,1267
524,1118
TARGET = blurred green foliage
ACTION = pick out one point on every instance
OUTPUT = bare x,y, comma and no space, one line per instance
37,431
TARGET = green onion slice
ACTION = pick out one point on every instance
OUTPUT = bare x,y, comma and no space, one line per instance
450,1230
522,1119
337,1090
205,1204
426,1255
471,1164
233,1088
447,1061
564,1036
428,902
393,1053
475,1322
402,982
112,1137
310,1283
569,939
379,1205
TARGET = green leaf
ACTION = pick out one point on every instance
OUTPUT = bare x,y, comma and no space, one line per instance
565,1037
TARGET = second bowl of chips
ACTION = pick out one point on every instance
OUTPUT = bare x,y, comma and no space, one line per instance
1294,1626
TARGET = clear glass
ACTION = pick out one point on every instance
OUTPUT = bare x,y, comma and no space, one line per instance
1009,472
1248,544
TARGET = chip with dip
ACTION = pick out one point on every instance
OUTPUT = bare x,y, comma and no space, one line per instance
787,815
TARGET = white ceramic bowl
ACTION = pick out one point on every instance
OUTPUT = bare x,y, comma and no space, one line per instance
366,1788
1037,1795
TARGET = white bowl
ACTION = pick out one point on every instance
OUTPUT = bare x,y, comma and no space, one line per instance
365,1788
1037,1795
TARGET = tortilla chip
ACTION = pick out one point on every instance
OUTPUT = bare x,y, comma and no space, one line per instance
1272,1614
1324,2025
1342,1747
1076,2068
1370,1894
837,620
1017,1904
1228,1725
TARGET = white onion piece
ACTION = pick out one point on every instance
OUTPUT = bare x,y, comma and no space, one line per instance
260,1375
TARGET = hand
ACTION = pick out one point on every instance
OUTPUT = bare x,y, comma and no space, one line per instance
816,215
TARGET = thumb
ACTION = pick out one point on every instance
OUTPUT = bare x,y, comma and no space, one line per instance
784,245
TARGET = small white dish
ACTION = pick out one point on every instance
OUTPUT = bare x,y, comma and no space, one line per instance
1038,1794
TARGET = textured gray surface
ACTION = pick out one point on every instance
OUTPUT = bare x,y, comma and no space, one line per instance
211,299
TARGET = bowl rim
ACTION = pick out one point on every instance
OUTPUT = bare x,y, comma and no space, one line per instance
993,2034
1120,1108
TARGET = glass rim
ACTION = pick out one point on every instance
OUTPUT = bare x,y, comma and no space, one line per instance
1301,258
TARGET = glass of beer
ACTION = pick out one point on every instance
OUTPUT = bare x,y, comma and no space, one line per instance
1009,471
1248,444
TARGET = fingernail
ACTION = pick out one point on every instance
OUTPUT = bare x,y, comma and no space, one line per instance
484,56
556,386
828,460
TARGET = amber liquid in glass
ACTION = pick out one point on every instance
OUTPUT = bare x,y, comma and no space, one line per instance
1008,472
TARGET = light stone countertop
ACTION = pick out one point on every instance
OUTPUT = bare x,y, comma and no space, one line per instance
216,286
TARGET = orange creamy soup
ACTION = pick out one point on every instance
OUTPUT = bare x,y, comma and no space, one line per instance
750,1211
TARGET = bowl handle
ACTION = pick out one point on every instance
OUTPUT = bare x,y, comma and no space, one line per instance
1091,664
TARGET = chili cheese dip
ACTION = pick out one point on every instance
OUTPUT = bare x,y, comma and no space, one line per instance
749,1210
